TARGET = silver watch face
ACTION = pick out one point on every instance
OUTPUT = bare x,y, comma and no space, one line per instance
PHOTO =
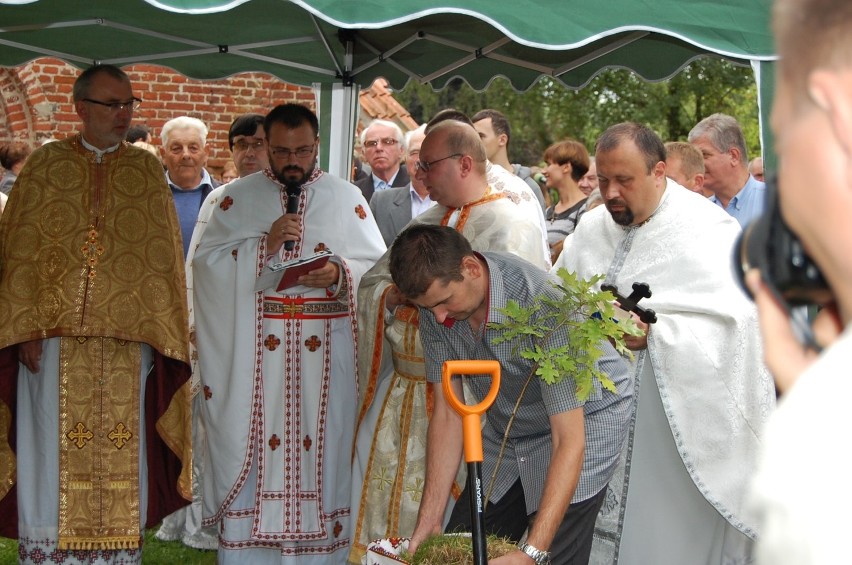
540,557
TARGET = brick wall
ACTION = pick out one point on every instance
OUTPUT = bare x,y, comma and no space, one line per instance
35,102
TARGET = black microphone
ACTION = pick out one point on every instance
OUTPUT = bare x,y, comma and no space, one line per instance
294,191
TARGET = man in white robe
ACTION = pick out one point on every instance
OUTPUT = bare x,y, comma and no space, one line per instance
704,393
278,369
493,215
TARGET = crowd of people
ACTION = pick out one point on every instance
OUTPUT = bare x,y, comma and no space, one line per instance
148,378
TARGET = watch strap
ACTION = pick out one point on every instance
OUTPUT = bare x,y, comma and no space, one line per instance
539,556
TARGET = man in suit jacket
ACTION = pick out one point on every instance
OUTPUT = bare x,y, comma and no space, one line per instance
383,148
395,207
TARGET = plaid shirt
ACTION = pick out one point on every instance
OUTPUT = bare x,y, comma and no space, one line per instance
529,447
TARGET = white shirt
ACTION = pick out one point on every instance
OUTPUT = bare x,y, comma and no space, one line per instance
799,493
419,204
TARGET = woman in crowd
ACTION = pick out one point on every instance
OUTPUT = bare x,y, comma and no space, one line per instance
567,162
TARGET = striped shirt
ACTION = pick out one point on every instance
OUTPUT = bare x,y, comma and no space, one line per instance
528,451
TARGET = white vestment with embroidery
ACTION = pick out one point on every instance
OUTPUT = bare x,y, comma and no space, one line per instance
278,372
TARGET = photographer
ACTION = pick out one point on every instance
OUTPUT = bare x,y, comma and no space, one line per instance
801,504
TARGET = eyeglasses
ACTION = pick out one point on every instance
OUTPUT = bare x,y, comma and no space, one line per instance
116,107
426,165
256,144
389,141
284,153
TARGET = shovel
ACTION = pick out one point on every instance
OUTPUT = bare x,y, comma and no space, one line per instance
472,433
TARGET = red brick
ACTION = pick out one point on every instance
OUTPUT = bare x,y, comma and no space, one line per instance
165,93
181,107
161,86
60,117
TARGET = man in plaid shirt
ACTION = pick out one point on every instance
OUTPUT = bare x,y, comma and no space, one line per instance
561,454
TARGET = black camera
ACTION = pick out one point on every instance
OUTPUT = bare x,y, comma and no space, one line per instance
770,246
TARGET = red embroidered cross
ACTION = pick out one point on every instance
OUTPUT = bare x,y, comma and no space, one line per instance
307,443
207,393
338,527
360,211
226,203
272,342
313,343
320,247
274,442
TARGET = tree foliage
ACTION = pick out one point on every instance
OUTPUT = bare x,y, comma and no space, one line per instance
549,112
587,316
582,312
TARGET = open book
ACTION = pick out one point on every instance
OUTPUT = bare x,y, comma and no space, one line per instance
283,275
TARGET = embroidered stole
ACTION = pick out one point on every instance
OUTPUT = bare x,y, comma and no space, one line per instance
99,388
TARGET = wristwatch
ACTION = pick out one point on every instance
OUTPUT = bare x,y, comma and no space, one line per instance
540,557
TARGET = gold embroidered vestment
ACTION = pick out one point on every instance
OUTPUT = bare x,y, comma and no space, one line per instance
90,252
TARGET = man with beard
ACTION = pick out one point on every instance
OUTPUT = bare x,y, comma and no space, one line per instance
704,393
278,373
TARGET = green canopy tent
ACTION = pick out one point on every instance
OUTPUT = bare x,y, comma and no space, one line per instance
338,45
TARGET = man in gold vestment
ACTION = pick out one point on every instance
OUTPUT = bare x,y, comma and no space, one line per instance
93,342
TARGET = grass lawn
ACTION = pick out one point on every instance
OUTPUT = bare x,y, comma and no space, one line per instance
8,551
154,552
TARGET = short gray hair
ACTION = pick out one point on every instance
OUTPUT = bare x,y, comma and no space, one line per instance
388,124
184,122
83,84
409,134
724,132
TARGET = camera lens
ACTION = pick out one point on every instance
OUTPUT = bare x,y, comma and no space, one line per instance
769,245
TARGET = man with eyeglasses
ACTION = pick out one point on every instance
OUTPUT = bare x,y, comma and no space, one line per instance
95,339
248,144
394,208
383,146
278,368
393,391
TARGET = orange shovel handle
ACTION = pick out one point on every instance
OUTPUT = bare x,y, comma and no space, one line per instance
471,423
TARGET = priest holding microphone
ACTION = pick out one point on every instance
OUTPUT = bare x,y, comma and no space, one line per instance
278,368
